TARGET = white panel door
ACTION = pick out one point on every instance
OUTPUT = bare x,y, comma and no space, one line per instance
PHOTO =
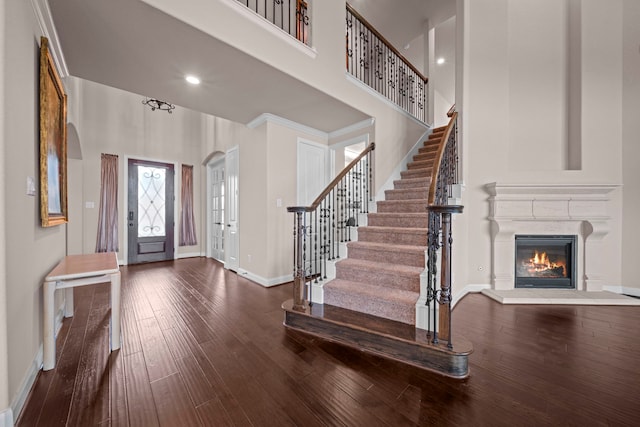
217,211
312,171
232,250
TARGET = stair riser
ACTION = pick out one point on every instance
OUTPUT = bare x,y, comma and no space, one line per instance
426,164
403,206
398,221
376,276
398,312
426,157
412,239
432,149
407,183
416,173
414,258
421,193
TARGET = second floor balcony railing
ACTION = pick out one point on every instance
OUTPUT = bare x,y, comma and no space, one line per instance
289,15
374,61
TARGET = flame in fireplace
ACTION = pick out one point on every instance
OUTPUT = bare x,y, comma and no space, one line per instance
541,264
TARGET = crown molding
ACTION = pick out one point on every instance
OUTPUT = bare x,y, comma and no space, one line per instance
272,118
48,29
352,128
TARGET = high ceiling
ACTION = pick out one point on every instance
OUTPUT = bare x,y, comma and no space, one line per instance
401,21
132,46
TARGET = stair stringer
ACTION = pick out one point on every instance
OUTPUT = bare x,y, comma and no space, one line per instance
402,165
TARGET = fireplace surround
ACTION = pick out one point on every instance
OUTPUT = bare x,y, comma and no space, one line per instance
568,210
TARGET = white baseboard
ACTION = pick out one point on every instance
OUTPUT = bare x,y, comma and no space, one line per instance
32,373
6,418
190,255
27,383
469,289
263,281
623,290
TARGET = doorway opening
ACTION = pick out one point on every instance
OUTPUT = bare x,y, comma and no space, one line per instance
150,216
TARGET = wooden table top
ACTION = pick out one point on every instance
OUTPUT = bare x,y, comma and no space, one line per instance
79,266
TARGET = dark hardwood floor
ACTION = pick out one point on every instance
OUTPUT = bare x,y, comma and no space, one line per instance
202,346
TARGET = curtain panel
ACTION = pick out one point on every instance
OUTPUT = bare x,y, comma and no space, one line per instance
107,239
187,219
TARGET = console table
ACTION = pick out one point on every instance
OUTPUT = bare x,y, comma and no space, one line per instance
79,270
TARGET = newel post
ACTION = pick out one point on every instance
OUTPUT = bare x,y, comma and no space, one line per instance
298,258
445,294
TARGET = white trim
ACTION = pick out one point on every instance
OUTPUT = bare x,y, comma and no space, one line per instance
271,28
29,380
48,29
352,128
469,289
190,255
384,99
402,165
125,202
272,118
622,290
263,281
298,127
6,418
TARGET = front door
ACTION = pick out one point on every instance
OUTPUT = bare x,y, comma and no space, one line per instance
150,213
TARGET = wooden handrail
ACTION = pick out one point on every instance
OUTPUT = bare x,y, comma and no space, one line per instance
438,159
385,41
451,110
335,182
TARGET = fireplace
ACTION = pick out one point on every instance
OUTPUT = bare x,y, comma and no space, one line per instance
545,261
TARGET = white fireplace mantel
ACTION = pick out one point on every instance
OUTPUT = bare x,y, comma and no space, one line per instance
578,209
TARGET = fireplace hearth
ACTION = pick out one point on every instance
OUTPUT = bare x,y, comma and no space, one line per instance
545,261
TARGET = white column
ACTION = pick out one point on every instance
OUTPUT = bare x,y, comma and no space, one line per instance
6,417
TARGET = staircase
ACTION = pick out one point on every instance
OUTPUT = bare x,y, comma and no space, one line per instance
371,303
381,274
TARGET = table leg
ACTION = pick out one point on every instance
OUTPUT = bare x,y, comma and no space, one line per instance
68,302
49,344
115,311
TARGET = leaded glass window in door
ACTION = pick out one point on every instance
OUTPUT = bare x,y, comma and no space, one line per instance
151,201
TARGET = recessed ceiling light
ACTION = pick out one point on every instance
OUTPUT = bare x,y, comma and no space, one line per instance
192,79
440,61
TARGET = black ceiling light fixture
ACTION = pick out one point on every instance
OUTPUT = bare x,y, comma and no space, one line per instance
157,104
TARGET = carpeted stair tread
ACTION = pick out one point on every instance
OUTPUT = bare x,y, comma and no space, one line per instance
423,157
393,276
407,193
420,164
428,149
416,173
362,264
400,206
412,220
394,304
384,252
397,235
412,183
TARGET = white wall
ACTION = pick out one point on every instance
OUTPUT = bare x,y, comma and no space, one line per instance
322,67
515,91
116,122
4,363
631,145
31,250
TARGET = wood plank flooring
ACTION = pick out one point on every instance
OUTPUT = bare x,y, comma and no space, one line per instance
204,347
